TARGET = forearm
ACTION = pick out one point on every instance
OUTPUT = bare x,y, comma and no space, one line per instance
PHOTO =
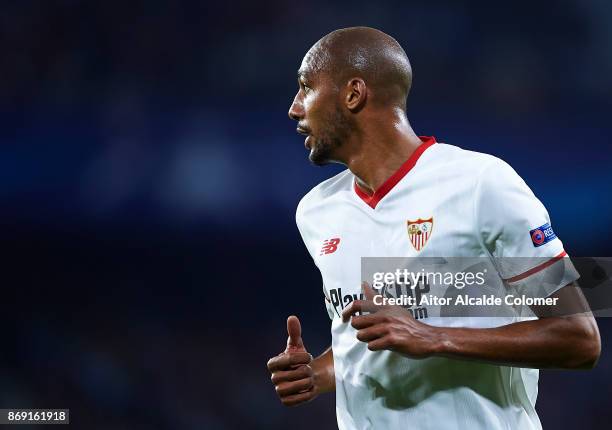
323,368
557,342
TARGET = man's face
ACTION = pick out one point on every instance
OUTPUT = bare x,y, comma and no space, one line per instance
320,116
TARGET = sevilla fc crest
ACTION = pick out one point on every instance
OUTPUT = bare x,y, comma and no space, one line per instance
419,232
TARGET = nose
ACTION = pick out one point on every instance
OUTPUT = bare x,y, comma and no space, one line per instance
296,111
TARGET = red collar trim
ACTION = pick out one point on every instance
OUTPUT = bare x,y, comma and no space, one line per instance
383,190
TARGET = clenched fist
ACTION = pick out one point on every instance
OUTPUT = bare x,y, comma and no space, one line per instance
292,374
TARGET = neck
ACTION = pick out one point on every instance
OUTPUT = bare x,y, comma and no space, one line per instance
377,153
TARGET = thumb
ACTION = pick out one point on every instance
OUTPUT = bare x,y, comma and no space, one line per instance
294,330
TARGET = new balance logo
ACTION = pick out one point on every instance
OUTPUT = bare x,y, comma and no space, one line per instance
330,246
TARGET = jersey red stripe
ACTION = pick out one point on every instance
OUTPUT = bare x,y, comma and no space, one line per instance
538,268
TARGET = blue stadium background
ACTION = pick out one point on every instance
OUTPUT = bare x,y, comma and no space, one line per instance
149,176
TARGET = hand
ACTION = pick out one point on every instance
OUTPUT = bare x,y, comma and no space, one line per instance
391,327
292,374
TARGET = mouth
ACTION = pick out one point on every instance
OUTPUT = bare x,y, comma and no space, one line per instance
305,132
302,131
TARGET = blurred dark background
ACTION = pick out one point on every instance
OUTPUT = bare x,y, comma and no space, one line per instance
149,176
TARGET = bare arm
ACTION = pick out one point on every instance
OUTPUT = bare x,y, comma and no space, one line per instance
567,342
323,369
556,342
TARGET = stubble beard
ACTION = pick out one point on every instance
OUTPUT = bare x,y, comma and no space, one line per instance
325,148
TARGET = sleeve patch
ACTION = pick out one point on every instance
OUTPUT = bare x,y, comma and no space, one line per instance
542,235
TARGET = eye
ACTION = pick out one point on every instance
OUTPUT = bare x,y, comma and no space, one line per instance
305,87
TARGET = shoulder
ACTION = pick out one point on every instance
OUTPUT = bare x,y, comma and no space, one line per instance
322,192
475,161
479,166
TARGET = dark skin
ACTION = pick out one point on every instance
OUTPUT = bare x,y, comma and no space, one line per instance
297,377
563,342
351,118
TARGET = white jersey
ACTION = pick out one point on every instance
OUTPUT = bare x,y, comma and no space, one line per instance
467,204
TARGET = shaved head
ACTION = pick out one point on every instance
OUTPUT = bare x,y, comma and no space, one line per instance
366,53
352,88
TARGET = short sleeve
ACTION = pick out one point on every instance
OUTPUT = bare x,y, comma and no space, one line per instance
515,229
302,228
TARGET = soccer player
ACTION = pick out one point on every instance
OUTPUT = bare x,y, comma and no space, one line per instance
405,196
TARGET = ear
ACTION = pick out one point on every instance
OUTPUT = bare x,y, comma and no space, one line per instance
356,94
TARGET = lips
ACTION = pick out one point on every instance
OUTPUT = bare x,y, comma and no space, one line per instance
304,132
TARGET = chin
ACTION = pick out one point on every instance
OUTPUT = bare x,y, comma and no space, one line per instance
318,157
322,152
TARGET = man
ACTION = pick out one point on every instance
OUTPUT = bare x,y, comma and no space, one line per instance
390,369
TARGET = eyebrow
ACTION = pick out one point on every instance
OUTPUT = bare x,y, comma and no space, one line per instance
302,74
